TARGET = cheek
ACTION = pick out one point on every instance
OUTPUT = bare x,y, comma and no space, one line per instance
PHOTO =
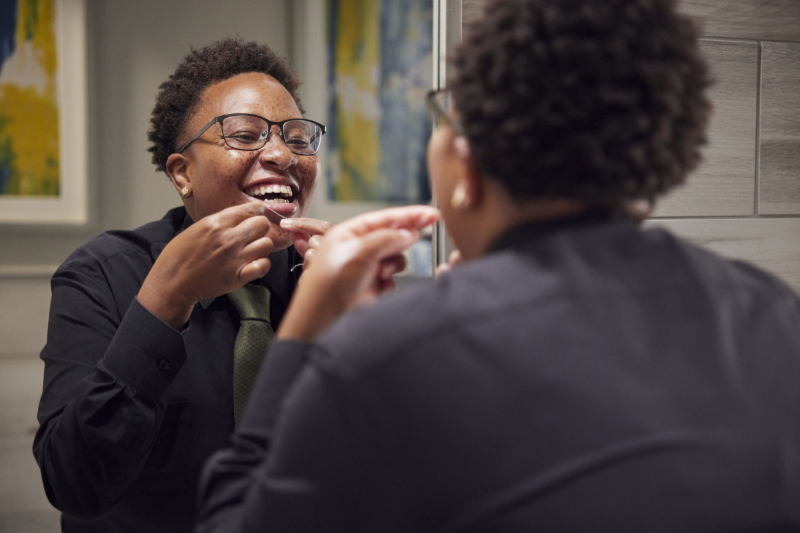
307,176
436,164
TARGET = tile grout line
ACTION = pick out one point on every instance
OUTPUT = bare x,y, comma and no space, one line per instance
757,185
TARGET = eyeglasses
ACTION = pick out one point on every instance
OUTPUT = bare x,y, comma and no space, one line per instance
440,106
243,131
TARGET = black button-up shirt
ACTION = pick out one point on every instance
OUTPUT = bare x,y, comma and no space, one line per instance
584,376
131,408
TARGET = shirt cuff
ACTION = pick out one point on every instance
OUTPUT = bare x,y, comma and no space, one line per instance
282,365
145,353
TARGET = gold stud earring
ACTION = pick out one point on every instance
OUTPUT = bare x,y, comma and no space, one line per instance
185,191
459,198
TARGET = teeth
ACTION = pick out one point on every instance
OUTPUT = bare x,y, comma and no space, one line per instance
261,190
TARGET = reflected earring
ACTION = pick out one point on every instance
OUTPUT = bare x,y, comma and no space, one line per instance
185,191
459,198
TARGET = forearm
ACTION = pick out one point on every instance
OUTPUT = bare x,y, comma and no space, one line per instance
99,421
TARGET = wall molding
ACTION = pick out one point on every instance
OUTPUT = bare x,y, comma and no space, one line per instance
27,271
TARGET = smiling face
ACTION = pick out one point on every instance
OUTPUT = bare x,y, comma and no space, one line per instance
219,176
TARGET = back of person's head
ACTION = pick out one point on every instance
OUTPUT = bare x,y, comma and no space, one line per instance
600,100
180,94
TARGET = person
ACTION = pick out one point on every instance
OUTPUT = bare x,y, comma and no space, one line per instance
575,372
138,383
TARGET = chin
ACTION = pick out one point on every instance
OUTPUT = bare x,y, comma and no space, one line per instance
280,240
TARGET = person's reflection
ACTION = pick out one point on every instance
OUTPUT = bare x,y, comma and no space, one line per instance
139,368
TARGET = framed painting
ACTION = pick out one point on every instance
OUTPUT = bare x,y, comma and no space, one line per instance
43,147
379,66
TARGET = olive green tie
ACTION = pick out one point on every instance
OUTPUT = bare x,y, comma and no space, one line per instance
252,341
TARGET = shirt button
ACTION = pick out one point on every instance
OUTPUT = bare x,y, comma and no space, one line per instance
164,365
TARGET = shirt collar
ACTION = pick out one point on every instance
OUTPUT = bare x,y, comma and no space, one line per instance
530,231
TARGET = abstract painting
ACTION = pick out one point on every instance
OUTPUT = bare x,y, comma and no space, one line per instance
28,106
379,69
35,185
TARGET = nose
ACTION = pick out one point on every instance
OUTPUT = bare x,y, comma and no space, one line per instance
275,152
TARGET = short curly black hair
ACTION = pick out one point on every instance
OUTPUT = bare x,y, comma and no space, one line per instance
595,100
180,94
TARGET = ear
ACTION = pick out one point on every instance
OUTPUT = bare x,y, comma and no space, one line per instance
177,170
471,182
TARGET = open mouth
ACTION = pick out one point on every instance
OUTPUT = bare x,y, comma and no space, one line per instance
274,194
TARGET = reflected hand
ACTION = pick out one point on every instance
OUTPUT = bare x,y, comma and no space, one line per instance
454,259
214,256
303,231
353,264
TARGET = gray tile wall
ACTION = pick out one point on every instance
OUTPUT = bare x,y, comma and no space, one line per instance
744,201
770,20
779,183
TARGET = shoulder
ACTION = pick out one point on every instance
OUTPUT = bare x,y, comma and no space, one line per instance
417,317
713,271
613,266
142,244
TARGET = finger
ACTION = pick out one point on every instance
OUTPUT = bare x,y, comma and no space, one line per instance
251,229
308,259
257,249
454,259
384,243
300,242
232,216
316,241
392,265
254,270
309,226
408,217
386,285
442,268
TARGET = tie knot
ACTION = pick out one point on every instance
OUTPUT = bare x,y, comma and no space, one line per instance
251,302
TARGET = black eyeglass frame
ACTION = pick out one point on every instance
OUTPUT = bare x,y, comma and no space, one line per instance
437,111
270,123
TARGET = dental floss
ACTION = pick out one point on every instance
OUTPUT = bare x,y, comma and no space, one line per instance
268,207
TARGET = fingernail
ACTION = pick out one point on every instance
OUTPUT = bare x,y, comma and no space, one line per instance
407,234
287,223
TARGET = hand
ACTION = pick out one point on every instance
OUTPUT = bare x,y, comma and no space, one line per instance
307,236
454,259
353,265
215,255
303,231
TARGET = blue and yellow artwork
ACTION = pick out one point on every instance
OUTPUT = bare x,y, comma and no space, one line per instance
28,105
379,69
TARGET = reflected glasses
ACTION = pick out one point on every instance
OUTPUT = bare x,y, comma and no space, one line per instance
440,106
243,131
